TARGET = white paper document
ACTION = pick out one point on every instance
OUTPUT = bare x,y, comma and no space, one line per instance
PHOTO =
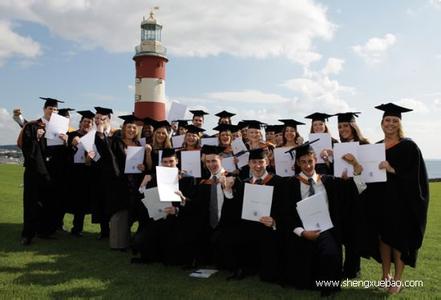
80,155
257,200
142,141
324,142
191,163
243,159
314,213
340,149
168,183
134,157
154,206
88,140
203,273
211,141
56,125
228,164
176,112
54,142
177,141
370,156
284,162
238,146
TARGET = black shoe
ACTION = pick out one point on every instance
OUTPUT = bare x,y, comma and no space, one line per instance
76,233
239,274
138,261
26,241
102,236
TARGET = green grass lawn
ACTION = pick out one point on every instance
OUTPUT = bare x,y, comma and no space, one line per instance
84,267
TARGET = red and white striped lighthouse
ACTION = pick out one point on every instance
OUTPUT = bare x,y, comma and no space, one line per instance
150,60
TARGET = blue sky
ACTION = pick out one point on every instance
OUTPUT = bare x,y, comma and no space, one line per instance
260,59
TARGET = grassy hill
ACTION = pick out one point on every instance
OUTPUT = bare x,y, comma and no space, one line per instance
84,267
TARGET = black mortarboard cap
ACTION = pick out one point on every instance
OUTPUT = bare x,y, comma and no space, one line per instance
224,114
291,122
209,149
198,113
391,109
103,111
182,123
347,117
193,129
318,116
65,111
159,124
148,121
226,127
258,153
51,102
242,124
129,119
254,124
303,149
168,152
86,114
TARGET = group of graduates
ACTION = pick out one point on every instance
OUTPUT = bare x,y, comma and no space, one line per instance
384,220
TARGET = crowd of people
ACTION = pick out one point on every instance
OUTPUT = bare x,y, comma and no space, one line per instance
383,220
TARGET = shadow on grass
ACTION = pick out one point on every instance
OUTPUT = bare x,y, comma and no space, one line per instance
85,267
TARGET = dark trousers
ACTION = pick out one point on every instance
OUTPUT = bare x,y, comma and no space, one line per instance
78,222
351,265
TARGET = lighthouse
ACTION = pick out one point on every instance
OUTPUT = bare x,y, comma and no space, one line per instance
150,59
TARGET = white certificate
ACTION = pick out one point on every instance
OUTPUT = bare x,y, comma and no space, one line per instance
80,155
154,206
340,149
370,156
56,125
142,141
284,162
177,141
191,163
134,157
243,159
211,141
176,112
228,164
168,183
55,142
238,146
324,142
88,140
314,213
257,200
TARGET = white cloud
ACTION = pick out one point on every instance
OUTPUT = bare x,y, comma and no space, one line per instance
437,104
375,49
417,106
8,128
317,91
191,28
436,3
13,44
247,96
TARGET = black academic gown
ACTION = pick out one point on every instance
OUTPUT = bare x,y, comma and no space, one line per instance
307,261
36,180
254,247
398,207
105,172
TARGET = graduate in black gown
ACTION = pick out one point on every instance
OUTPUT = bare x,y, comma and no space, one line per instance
80,173
159,240
198,120
311,255
104,171
318,125
398,207
256,246
39,197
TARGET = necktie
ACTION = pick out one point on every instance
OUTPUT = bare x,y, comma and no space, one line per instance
311,186
258,181
214,216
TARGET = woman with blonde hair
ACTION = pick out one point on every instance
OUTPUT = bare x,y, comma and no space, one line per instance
398,207
160,141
